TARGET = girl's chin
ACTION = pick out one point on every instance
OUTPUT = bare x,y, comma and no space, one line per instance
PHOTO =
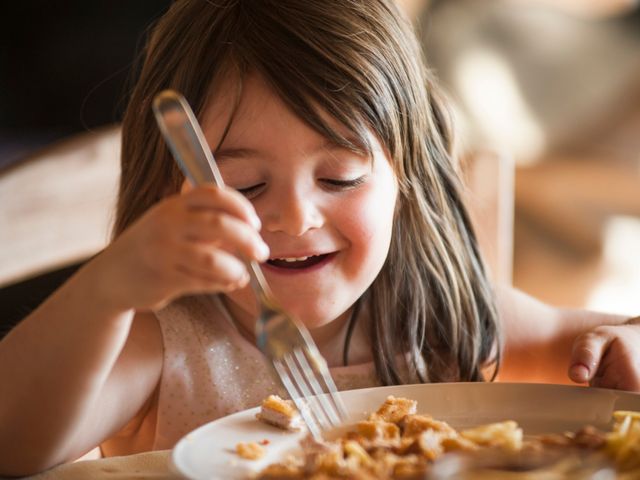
310,320
319,320
311,316
314,324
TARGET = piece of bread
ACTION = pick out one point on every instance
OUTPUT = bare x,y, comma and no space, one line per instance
280,413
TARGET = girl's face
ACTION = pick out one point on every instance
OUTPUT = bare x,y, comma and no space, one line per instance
326,212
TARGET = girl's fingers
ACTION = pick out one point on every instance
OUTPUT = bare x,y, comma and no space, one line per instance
588,350
608,357
211,268
223,199
198,283
189,243
619,368
226,232
610,379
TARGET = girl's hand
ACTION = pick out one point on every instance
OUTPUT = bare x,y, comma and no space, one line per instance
186,244
608,357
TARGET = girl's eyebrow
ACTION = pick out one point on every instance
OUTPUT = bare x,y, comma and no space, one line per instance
228,153
333,145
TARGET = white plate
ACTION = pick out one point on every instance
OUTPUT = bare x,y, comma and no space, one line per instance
209,451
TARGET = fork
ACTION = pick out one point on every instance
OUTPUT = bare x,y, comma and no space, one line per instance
283,339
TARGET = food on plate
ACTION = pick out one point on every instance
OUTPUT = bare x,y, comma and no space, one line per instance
394,410
250,451
280,413
507,435
395,442
623,443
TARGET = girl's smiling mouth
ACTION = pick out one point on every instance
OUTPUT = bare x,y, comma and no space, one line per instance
298,264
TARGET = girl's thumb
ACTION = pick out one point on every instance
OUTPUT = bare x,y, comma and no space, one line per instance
588,350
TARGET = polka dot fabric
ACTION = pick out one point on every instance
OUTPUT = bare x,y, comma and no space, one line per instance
210,370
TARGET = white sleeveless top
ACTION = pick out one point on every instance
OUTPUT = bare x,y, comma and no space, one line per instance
210,370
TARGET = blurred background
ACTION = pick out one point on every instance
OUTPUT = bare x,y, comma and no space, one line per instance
555,86
65,70
551,88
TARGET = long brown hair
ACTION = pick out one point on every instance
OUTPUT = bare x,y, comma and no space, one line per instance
432,308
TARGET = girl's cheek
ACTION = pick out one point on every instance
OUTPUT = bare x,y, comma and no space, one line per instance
369,222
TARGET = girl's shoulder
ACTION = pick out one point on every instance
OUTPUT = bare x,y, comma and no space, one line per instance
193,312
200,326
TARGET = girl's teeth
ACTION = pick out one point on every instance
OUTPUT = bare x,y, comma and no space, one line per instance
299,259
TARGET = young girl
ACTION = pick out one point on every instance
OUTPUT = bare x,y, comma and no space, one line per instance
330,134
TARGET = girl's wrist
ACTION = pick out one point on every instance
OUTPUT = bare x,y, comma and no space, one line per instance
97,283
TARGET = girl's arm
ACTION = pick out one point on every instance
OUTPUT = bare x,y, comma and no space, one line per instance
548,344
78,368
73,373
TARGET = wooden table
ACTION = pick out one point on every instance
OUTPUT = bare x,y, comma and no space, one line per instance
148,465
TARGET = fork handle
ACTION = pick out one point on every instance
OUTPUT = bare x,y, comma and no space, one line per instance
185,139
190,149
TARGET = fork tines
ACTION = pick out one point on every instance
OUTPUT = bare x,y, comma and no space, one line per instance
320,406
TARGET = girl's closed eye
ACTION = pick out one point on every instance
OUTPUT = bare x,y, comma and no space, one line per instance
333,184
341,185
252,191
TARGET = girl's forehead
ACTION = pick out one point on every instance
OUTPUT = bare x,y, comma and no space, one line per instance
252,108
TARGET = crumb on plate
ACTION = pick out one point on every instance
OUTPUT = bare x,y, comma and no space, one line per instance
250,450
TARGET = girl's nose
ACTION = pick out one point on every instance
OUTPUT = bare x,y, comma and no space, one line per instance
293,214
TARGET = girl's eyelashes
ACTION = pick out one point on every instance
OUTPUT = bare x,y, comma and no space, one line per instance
252,191
340,185
329,183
